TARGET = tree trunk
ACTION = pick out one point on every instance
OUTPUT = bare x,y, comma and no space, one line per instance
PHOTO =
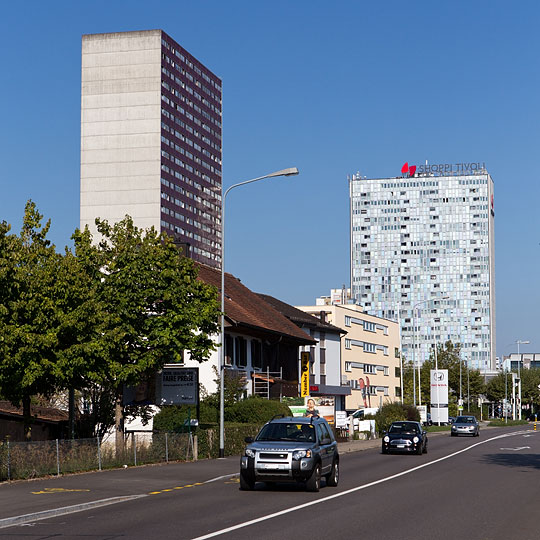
27,417
119,424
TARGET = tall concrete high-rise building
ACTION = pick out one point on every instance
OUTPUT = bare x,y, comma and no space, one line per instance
422,251
151,139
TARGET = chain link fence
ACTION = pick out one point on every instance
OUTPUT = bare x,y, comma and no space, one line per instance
25,460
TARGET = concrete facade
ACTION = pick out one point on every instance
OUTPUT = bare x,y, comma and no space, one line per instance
370,354
151,139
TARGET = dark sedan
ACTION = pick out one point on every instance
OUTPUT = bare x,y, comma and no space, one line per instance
405,437
465,425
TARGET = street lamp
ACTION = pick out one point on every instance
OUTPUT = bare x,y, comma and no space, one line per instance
284,172
520,342
414,348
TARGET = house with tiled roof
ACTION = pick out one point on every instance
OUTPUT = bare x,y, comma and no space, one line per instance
261,344
325,377
47,422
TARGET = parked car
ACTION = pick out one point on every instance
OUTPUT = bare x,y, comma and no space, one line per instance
451,419
465,425
291,449
405,437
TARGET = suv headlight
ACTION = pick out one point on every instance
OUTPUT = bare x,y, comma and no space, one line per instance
299,454
415,440
250,452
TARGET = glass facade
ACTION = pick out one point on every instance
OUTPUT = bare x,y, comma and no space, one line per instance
416,240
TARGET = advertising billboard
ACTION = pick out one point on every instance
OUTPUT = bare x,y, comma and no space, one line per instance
439,395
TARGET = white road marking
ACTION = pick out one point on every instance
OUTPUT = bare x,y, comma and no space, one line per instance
516,449
220,478
349,491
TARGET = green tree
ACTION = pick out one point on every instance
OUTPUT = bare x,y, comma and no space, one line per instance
29,313
530,388
154,307
499,387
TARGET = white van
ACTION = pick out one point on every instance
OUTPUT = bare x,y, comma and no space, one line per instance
359,414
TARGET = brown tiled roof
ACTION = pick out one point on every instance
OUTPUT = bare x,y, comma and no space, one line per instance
41,413
243,307
300,317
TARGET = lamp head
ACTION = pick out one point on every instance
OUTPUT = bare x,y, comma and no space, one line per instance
291,171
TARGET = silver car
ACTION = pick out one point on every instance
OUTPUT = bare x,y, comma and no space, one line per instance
465,425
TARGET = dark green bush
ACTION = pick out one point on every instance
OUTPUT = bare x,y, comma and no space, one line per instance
392,412
255,410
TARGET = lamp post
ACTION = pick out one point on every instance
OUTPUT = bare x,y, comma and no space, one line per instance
284,172
520,342
414,349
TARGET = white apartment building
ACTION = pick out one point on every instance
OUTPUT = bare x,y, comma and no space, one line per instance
422,251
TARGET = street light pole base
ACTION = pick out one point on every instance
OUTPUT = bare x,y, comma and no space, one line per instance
222,452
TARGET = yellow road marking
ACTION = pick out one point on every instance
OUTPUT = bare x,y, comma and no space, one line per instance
56,490
177,487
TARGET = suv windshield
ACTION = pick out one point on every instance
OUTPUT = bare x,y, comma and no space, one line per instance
281,431
403,427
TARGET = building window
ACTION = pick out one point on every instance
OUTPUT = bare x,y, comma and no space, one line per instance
256,354
397,372
348,366
370,368
347,321
240,346
370,347
386,370
369,326
229,351
396,352
398,391
347,343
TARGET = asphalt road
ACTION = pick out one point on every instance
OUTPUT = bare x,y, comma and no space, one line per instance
464,488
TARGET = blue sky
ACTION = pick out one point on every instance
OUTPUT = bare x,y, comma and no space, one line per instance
330,87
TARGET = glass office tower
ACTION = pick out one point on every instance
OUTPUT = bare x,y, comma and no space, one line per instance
423,244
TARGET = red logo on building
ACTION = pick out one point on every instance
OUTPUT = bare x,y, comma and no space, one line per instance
411,169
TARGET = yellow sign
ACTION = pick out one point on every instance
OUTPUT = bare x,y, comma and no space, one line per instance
304,374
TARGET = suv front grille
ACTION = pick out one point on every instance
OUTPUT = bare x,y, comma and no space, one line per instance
267,455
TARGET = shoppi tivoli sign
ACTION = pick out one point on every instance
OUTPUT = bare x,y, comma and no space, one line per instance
439,395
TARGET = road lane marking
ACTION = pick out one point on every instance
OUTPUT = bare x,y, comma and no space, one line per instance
516,449
221,477
46,514
56,490
349,491
178,487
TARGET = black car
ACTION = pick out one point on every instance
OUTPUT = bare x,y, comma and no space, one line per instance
291,449
405,436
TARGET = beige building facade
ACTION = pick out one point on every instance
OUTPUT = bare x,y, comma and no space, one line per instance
370,353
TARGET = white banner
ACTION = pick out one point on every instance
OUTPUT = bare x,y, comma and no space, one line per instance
439,395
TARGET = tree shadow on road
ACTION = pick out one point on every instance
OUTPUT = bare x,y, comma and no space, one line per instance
522,461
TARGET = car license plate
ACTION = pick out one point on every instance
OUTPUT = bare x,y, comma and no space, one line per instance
401,446
274,466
